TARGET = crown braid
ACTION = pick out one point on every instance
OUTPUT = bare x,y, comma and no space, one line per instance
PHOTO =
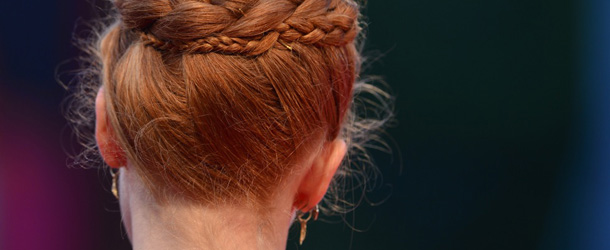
241,27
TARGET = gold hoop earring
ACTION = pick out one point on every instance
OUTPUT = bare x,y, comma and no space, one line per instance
115,179
313,213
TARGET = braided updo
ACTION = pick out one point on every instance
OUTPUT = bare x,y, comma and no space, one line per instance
216,100
240,27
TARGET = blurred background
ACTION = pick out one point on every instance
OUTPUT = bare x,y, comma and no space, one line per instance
502,138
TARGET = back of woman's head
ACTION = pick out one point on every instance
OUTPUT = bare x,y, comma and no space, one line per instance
216,100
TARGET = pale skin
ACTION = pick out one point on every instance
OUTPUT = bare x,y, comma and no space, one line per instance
181,225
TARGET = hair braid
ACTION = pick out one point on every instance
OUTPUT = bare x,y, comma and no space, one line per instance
240,27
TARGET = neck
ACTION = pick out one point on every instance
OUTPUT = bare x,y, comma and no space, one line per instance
181,225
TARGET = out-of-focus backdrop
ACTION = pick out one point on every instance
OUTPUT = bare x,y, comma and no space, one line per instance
502,140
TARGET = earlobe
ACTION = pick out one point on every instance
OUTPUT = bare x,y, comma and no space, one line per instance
111,152
314,185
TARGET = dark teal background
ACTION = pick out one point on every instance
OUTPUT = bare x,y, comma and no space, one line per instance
489,115
485,99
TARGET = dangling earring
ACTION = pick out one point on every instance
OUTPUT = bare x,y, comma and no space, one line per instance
314,213
115,179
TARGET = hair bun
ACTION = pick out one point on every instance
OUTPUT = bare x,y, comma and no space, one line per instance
246,27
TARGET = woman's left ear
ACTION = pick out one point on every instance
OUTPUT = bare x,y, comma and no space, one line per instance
111,152
314,185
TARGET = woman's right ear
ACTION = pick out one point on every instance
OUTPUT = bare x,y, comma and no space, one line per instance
104,134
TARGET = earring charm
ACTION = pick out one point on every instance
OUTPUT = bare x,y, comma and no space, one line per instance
115,179
300,217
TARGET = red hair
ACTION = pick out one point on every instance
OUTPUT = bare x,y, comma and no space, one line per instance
216,100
